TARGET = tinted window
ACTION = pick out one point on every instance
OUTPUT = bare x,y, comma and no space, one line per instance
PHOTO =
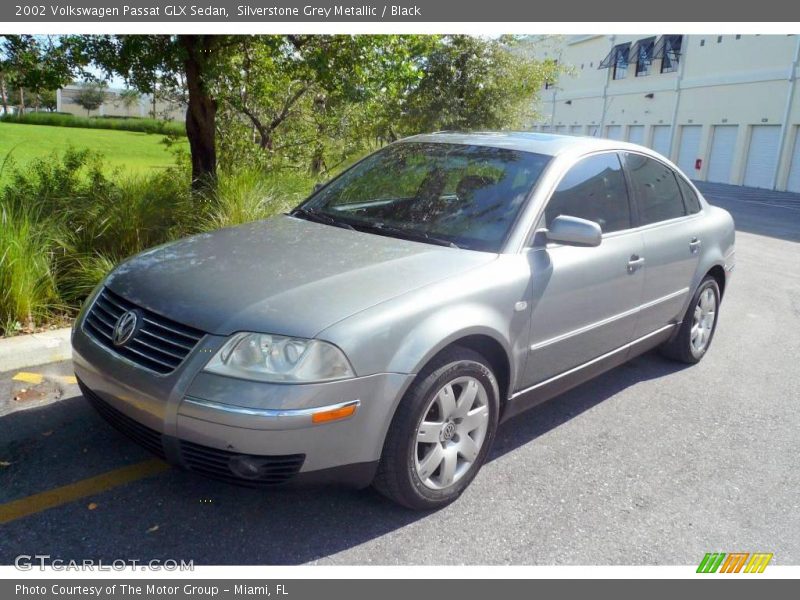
689,197
467,195
593,189
656,189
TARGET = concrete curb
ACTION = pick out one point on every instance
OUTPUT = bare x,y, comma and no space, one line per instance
35,349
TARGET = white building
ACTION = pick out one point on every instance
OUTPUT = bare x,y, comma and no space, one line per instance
725,108
115,106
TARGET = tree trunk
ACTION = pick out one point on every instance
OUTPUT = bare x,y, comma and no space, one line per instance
21,101
3,94
201,113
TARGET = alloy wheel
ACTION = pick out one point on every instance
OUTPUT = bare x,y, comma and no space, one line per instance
705,312
451,433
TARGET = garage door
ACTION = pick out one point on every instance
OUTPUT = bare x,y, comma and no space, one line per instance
576,130
762,156
561,129
636,134
614,132
689,148
720,160
793,184
593,130
661,134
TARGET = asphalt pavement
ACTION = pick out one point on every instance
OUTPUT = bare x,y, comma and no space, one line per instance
652,463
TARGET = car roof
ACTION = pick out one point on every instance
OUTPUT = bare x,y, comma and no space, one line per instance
549,144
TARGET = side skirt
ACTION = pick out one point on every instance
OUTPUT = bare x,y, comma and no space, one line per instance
555,386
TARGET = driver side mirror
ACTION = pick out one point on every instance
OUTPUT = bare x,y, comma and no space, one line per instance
573,231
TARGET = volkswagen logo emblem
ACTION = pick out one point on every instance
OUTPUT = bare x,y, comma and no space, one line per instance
126,327
447,432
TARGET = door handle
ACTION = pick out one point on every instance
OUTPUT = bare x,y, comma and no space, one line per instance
694,245
635,262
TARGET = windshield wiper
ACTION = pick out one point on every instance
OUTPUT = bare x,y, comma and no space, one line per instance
318,217
419,236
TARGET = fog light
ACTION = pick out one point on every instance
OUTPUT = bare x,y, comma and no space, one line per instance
247,467
343,411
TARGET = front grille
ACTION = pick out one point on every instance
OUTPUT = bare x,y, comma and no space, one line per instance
159,345
141,434
218,464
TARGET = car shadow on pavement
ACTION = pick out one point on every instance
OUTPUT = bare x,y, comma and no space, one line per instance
537,421
179,515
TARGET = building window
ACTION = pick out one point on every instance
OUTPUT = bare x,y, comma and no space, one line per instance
668,49
642,54
617,61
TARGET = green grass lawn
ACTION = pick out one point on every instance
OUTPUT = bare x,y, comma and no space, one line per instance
133,152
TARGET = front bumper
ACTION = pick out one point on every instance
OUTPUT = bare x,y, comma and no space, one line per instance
222,427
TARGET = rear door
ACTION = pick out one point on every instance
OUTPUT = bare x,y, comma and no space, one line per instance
671,234
585,299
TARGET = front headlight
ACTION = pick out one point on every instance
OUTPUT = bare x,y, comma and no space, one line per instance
278,358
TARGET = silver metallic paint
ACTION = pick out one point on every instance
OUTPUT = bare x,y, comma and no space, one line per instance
554,311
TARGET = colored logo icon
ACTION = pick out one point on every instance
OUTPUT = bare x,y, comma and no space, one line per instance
736,562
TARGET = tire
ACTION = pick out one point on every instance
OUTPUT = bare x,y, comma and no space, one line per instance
412,472
685,346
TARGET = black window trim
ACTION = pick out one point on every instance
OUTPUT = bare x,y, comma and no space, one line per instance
636,199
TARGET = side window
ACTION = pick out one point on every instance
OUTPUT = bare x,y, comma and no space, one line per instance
593,189
689,197
656,189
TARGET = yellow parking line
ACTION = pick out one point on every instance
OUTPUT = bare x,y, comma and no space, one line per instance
24,507
33,378
68,379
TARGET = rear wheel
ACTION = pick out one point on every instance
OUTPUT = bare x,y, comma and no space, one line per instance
441,432
699,323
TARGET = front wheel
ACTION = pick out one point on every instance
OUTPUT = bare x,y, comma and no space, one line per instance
699,323
441,433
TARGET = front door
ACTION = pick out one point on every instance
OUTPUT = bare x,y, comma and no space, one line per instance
585,300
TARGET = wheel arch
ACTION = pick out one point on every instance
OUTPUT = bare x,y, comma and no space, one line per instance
718,273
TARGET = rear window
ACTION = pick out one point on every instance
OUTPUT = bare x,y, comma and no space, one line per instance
690,199
656,189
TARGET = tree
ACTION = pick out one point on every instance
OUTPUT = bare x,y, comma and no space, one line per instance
473,83
91,96
129,98
48,100
152,62
308,96
36,64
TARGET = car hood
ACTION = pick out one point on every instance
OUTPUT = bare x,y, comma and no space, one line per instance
284,275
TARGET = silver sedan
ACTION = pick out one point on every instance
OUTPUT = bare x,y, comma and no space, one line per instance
382,330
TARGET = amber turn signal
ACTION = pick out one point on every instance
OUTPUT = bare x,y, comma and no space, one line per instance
335,414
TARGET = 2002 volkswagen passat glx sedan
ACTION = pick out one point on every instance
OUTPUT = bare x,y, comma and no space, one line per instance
381,330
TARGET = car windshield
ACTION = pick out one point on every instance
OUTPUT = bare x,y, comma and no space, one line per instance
449,194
